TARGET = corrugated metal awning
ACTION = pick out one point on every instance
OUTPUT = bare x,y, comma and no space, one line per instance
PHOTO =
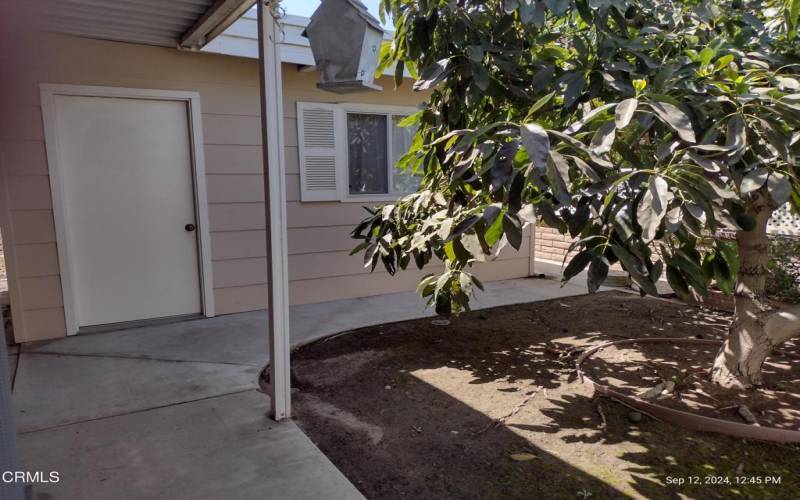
188,24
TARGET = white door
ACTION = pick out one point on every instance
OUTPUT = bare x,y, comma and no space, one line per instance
128,202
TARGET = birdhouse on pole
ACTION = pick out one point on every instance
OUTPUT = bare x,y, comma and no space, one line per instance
345,40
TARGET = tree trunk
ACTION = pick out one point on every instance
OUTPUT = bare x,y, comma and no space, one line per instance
757,328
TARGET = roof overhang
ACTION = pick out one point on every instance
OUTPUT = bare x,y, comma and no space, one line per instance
185,24
214,22
241,40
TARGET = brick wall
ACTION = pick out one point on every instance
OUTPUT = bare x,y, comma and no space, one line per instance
551,245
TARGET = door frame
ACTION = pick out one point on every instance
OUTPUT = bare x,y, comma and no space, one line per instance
48,93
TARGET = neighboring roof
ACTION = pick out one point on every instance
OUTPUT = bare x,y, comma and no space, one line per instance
167,23
241,39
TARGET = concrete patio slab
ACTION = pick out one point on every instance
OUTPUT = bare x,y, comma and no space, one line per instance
169,411
312,322
235,338
218,448
54,390
241,338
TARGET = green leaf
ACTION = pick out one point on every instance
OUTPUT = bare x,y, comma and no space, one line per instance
503,166
723,61
449,251
735,137
588,117
575,84
678,283
558,171
557,7
539,104
510,6
535,141
603,138
691,270
676,119
545,209
491,213
652,208
706,55
754,180
480,76
624,112
475,53
494,230
730,252
411,120
579,219
399,73
463,226
512,228
432,75
792,14
576,265
598,272
385,58
514,199
722,274
636,269
780,189
584,167
426,285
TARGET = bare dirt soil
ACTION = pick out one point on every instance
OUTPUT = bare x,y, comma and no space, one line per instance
490,407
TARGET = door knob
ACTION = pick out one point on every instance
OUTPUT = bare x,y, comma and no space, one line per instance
189,227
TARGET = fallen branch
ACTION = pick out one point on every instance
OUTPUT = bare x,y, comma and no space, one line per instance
499,421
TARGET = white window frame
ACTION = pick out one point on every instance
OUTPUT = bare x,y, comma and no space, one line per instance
342,160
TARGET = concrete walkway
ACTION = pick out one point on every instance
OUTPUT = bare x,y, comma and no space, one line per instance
172,411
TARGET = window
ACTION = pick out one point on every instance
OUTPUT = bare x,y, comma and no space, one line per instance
375,142
367,154
348,152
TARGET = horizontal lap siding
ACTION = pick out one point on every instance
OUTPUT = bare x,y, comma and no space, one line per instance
320,267
27,225
229,93
319,243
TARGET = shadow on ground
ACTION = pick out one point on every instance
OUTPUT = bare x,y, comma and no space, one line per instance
489,407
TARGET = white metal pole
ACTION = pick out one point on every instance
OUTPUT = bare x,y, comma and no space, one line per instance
269,63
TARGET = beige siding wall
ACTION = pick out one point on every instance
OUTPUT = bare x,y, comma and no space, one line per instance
320,268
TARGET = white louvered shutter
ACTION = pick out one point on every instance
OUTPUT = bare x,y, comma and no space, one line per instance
316,137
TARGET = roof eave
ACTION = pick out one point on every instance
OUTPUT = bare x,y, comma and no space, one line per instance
216,20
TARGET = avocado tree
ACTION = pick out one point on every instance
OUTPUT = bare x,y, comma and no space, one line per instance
642,128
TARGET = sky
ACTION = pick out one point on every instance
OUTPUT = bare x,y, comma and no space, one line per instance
307,7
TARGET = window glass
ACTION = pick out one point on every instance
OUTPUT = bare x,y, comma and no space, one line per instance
403,181
367,153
